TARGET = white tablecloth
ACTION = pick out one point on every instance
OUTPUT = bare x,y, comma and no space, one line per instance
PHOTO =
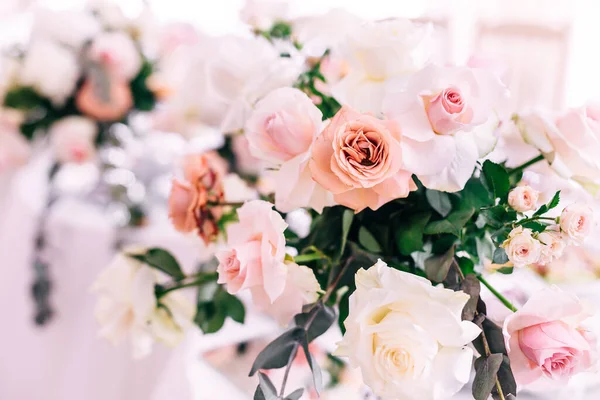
66,360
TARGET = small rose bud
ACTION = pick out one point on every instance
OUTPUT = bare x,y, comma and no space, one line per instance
522,248
523,198
576,221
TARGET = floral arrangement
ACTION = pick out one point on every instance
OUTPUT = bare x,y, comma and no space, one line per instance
386,156
80,72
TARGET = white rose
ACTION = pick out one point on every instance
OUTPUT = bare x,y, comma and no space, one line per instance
237,190
378,52
110,13
50,69
301,287
577,222
553,245
242,71
14,149
127,307
521,247
523,198
119,51
73,138
262,14
407,336
69,27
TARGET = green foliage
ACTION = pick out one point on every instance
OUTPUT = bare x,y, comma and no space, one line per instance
437,267
497,179
162,260
368,241
214,306
453,224
410,231
439,201
143,98
547,207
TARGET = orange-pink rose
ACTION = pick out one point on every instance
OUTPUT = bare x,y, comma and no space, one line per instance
114,108
359,159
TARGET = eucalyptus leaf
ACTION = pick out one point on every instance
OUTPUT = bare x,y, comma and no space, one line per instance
368,241
437,267
277,353
500,257
486,370
506,380
266,386
471,286
322,321
295,395
314,367
258,394
347,218
439,201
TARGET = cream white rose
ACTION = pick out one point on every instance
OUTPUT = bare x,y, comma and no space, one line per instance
262,14
117,50
376,53
50,69
577,222
406,336
523,198
72,139
553,245
69,27
127,307
521,247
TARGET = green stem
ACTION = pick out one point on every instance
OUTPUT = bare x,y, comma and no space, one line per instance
526,164
197,281
308,257
503,299
536,218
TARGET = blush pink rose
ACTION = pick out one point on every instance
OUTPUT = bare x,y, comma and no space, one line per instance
73,139
577,222
113,109
256,251
545,339
301,287
14,149
448,111
359,159
283,125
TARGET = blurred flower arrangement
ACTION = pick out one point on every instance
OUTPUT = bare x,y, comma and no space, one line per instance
382,151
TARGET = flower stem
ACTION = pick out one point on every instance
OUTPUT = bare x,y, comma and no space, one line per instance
197,281
536,218
287,369
223,204
308,257
526,164
503,299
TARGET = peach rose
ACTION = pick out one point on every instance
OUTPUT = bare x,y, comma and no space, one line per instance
545,339
118,104
192,202
73,139
359,159
521,247
553,245
256,251
523,198
283,125
577,221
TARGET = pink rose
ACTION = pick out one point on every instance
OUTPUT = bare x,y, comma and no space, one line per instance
256,251
359,159
497,67
73,139
118,52
577,222
283,125
448,111
14,149
523,198
301,287
192,202
245,162
447,118
553,245
545,339
114,108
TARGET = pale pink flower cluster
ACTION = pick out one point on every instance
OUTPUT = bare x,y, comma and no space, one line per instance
526,248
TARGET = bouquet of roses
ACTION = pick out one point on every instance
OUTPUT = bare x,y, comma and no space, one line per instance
80,72
385,153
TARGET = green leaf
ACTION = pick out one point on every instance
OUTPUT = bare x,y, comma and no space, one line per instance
506,270
368,241
210,317
161,260
439,201
547,207
535,226
295,395
143,98
277,353
453,224
409,234
437,267
24,98
467,266
497,179
321,322
266,387
233,305
500,256
486,370
475,194
347,218
344,310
